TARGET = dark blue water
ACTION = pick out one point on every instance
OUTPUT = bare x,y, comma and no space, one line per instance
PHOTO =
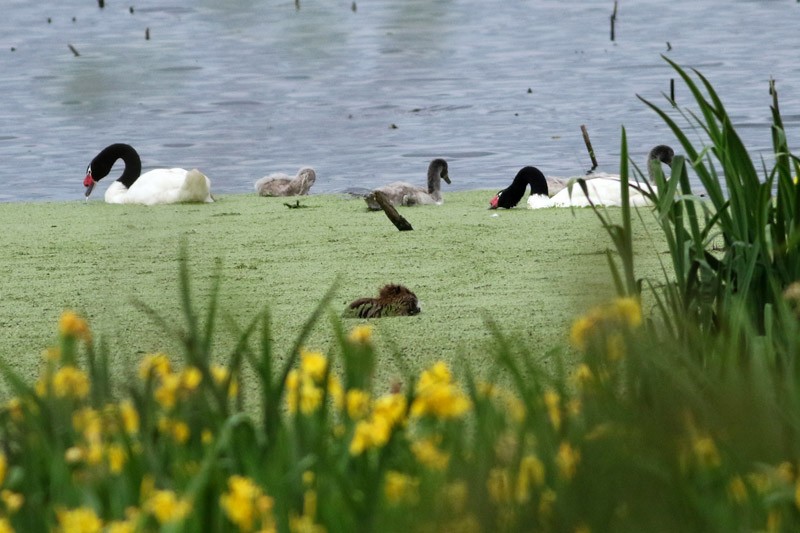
243,88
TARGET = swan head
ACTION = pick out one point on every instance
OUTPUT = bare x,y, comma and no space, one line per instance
662,153
307,178
97,170
511,195
494,203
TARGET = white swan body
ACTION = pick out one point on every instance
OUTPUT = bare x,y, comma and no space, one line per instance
159,186
284,185
602,191
402,193
162,186
542,188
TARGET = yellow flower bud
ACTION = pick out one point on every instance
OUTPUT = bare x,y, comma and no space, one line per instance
361,334
73,325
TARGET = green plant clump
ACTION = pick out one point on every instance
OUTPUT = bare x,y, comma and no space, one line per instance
734,250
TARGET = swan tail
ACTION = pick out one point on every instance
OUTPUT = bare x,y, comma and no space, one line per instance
196,187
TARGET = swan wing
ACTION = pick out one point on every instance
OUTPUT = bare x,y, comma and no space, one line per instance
602,191
608,192
556,185
397,191
273,185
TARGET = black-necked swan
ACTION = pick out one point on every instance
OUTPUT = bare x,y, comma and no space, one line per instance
284,185
402,193
603,188
159,186
392,300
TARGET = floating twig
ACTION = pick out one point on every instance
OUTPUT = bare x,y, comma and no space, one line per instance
295,206
147,34
354,7
589,146
669,46
613,19
400,223
74,50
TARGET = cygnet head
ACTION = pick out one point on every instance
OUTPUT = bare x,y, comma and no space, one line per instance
438,169
662,153
307,177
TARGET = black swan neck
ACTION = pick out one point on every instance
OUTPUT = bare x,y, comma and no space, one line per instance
537,181
511,195
102,163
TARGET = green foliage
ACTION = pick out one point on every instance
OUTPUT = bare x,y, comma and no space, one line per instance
736,248
640,435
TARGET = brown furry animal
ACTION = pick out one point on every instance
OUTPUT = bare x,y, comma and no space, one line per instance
392,300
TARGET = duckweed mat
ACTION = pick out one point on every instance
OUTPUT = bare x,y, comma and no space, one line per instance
529,271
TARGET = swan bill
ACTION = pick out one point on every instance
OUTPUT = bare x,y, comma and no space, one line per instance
89,183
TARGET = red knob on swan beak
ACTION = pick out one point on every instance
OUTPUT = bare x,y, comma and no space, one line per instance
493,201
88,182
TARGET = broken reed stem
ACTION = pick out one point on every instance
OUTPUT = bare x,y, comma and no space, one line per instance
774,94
397,219
74,50
613,19
589,145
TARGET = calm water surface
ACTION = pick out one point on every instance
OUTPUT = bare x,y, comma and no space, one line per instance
243,88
